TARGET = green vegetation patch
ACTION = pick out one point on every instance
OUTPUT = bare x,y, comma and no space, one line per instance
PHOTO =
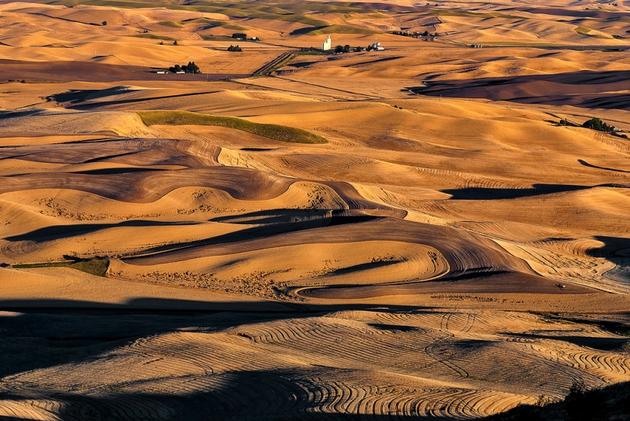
270,131
96,266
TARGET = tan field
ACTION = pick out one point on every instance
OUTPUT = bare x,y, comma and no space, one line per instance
422,232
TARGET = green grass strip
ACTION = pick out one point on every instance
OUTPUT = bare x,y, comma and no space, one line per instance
96,266
270,131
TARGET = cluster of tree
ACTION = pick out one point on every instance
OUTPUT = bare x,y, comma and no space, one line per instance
599,125
595,124
416,34
340,49
191,67
242,36
234,48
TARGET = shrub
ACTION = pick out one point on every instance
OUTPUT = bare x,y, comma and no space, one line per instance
234,48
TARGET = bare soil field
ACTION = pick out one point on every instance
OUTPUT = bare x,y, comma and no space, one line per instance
437,229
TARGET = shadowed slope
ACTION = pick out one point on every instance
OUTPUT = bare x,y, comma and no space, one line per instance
586,89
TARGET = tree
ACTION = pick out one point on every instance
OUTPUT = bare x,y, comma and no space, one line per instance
235,48
175,42
239,35
599,125
104,23
191,67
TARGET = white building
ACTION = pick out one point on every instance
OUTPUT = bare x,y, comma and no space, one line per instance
327,45
376,46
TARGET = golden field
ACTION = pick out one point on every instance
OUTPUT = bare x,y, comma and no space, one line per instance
423,232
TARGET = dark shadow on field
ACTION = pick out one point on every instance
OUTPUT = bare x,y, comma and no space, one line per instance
483,193
258,232
292,394
364,266
115,171
17,114
274,216
58,232
76,105
74,96
595,342
617,251
606,404
307,29
378,60
491,281
46,333
248,395
591,89
139,152
258,149
587,164
89,71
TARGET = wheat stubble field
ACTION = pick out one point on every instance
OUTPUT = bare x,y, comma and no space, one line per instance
422,232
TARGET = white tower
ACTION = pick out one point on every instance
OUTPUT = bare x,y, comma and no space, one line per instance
327,45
